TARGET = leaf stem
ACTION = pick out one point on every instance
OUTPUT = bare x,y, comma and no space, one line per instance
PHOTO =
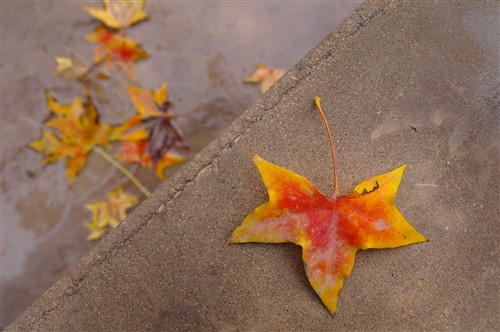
317,103
125,171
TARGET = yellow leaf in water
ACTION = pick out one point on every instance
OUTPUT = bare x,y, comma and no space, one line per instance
72,68
48,145
119,14
160,95
148,103
109,212
96,232
265,75
75,131
129,131
63,64
167,160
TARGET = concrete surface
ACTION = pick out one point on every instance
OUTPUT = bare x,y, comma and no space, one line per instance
402,83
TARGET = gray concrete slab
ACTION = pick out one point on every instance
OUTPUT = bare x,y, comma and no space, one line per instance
402,83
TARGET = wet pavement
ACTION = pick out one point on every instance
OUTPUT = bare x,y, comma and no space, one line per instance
203,51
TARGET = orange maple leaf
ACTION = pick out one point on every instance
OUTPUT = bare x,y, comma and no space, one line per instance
153,110
109,212
329,229
136,152
119,14
149,103
266,76
129,131
116,50
77,131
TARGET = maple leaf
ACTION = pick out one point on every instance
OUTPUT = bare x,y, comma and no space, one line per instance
119,14
72,68
152,111
266,76
78,132
167,159
153,108
116,50
149,103
329,229
102,37
129,131
136,152
109,212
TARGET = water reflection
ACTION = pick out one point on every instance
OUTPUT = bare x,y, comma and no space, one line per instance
204,51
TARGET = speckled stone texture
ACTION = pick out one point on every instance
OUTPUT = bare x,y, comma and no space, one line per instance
402,83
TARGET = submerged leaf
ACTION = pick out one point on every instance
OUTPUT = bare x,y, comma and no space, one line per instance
129,131
109,212
136,152
153,108
72,68
77,130
48,145
116,50
329,229
266,76
167,160
149,104
119,14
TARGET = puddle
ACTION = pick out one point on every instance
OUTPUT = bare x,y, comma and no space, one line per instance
203,51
